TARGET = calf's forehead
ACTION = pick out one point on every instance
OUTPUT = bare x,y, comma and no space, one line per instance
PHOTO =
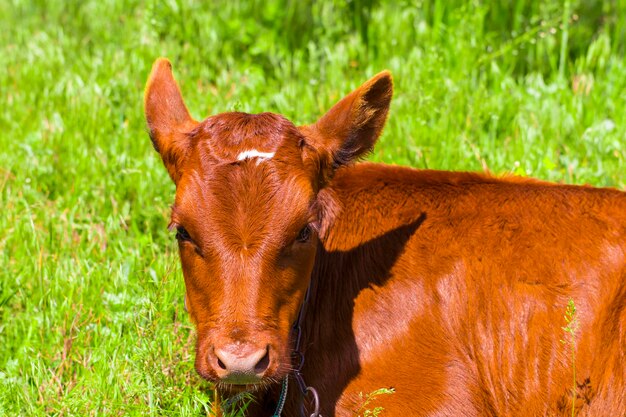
243,204
229,137
244,178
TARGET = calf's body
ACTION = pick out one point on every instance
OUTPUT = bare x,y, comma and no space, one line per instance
452,288
448,288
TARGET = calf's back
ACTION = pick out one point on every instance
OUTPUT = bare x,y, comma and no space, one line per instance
452,288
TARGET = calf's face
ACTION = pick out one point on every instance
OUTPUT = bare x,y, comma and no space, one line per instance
250,207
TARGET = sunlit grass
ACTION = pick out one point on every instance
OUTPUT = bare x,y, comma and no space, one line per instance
91,298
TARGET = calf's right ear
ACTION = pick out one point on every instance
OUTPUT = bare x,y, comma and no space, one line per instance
168,119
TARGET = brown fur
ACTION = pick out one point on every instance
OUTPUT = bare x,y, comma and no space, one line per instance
448,287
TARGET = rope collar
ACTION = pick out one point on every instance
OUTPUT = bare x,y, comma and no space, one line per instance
298,358
282,398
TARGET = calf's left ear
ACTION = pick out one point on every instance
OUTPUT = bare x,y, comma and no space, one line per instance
168,120
351,127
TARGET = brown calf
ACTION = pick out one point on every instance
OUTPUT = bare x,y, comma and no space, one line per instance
450,288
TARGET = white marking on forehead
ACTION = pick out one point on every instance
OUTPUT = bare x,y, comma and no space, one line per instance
253,153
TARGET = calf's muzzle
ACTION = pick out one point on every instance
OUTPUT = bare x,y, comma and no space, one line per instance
240,363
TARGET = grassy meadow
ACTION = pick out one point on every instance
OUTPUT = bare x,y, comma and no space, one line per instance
91,294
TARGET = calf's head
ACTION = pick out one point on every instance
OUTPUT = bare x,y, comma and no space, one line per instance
250,207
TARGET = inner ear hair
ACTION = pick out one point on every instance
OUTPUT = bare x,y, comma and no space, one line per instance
349,130
368,114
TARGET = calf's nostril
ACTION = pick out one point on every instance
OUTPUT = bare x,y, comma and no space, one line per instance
221,364
264,363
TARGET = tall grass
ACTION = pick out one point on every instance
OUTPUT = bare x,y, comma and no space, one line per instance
570,329
91,299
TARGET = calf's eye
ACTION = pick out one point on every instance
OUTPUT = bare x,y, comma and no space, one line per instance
182,234
304,235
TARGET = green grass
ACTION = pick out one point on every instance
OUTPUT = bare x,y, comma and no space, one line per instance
91,295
